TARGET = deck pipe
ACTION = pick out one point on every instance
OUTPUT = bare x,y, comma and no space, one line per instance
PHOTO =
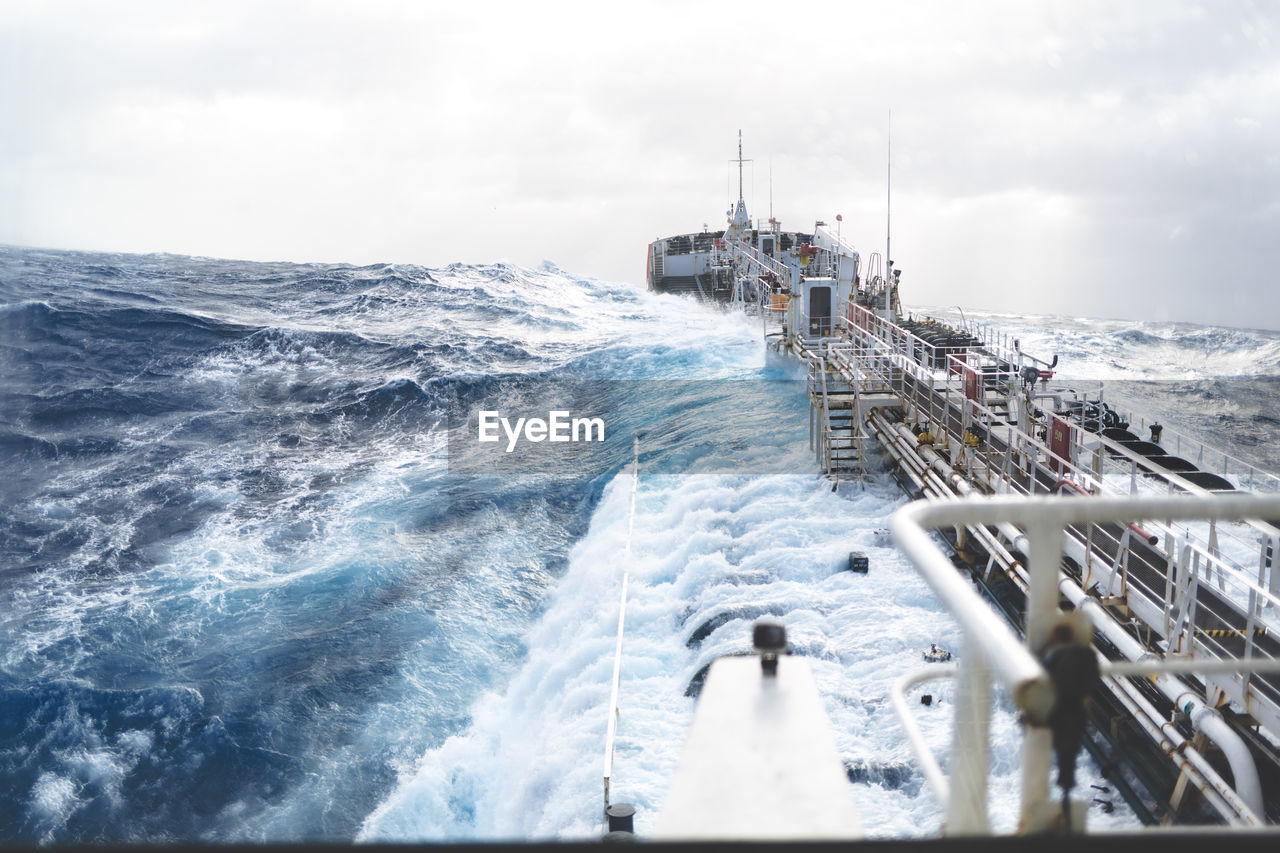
1203,717
943,481
1188,759
957,482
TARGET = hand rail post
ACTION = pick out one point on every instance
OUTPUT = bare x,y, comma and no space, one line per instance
970,747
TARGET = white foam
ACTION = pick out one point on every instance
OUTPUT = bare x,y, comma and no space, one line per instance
530,764
1097,349
53,800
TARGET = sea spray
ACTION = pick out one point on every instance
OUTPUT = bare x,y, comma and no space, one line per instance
706,546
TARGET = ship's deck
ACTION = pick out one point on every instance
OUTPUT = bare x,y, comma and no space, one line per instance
1198,592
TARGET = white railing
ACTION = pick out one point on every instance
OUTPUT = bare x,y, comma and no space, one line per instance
993,653
1240,562
1208,458
1099,465
615,685
838,244
824,326
752,256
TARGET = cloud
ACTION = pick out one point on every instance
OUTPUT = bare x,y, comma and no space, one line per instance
1037,146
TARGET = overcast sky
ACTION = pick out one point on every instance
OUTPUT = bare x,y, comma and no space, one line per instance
1092,159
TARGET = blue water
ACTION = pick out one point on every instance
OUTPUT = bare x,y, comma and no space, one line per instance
250,589
239,583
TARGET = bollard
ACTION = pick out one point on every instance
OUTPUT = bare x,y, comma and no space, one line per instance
621,817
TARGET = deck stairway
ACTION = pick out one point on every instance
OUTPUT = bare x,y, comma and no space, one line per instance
842,443
676,284
835,429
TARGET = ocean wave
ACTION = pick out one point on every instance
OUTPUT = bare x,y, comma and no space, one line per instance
1125,349
15,444
399,398
119,764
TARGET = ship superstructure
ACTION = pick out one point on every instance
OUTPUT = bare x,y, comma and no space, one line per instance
758,264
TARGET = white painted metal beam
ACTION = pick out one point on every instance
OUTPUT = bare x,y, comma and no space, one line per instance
760,762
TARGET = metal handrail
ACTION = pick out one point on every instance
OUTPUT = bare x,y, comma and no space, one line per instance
1229,465
751,254
1013,664
612,731
1029,445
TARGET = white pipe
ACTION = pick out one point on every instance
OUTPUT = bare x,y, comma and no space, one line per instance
944,481
1151,665
1243,770
962,486
1183,754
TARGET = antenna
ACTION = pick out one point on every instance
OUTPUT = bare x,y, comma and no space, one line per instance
888,210
739,164
740,161
770,186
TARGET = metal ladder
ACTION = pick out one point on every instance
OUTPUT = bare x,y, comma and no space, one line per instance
838,445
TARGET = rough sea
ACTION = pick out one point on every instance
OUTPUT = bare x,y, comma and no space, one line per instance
258,584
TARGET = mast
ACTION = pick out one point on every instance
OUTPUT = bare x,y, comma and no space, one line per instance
738,220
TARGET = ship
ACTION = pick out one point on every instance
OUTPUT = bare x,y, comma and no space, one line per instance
1115,579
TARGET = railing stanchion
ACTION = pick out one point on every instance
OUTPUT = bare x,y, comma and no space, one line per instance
970,750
